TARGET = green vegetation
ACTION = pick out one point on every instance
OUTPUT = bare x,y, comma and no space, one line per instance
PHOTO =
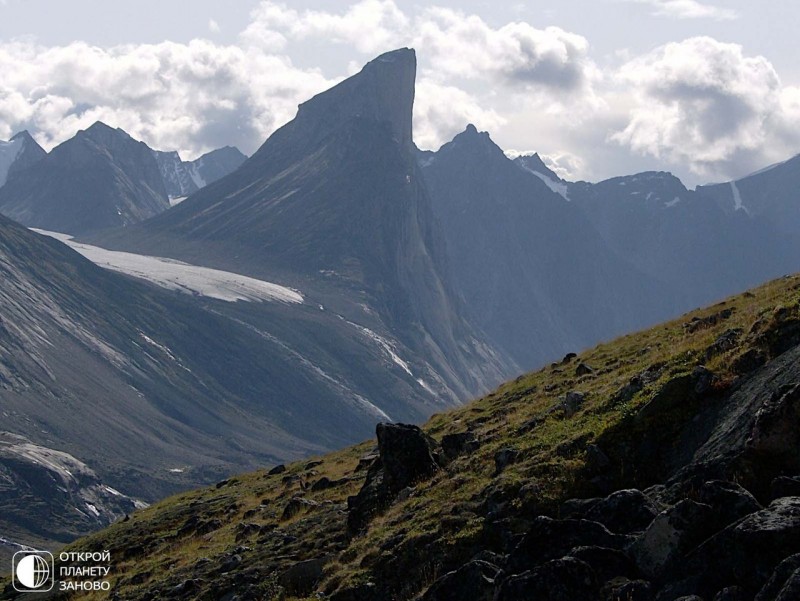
445,520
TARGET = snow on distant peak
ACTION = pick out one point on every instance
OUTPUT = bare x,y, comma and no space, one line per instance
9,151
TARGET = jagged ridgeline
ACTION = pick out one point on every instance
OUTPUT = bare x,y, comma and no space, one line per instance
661,465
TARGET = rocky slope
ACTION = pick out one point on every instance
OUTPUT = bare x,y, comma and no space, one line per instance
78,501
663,465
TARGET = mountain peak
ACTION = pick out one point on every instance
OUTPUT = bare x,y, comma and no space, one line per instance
22,135
103,134
473,143
382,91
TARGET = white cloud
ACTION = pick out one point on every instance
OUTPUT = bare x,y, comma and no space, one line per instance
440,112
191,97
213,26
371,26
704,103
517,53
698,102
688,9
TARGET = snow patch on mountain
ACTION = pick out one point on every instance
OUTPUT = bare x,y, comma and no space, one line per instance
386,346
9,151
176,275
558,187
194,173
738,205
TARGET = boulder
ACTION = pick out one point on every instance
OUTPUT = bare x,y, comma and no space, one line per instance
583,370
673,394
278,469
725,342
572,402
373,497
596,459
747,552
296,506
503,458
577,508
791,589
461,443
407,455
301,578
783,573
729,501
565,579
606,563
673,533
776,430
624,511
550,539
475,580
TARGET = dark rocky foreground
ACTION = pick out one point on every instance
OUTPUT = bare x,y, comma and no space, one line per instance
723,527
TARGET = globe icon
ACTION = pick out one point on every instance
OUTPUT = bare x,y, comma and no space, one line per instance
33,571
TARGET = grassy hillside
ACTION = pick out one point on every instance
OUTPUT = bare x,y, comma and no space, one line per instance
530,454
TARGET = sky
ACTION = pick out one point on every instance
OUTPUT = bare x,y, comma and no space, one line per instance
706,89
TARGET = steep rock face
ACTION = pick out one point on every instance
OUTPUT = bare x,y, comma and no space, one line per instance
335,199
19,153
101,178
536,275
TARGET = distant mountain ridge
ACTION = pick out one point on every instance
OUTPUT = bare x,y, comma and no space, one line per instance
772,194
529,264
183,178
101,178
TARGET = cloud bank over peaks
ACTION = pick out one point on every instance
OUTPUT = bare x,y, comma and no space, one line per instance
700,107
704,103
